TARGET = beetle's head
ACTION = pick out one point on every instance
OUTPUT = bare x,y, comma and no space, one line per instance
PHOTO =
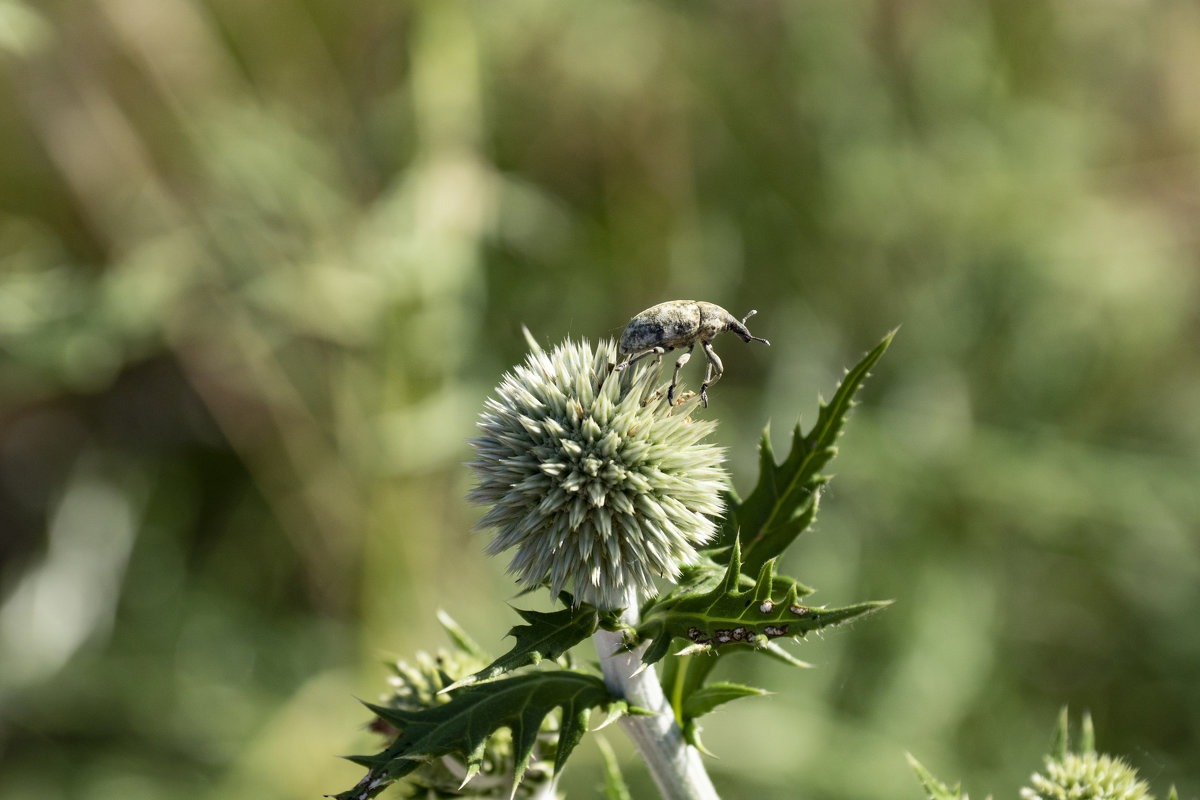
741,330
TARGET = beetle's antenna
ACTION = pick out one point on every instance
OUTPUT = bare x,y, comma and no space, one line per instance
750,314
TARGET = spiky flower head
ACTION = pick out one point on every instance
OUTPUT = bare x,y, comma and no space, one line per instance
596,481
1086,776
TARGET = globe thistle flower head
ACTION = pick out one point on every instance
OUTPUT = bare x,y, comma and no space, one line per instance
596,482
1086,776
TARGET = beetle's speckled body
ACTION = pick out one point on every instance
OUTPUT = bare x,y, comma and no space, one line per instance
682,323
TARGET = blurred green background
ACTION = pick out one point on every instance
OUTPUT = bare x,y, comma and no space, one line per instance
260,264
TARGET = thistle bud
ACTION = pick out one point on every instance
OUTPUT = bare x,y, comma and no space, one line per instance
1086,775
417,687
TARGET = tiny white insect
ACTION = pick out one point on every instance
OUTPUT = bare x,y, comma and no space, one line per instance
679,323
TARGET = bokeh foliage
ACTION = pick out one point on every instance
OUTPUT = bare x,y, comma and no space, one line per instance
260,263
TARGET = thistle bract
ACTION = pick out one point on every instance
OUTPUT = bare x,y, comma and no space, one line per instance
596,481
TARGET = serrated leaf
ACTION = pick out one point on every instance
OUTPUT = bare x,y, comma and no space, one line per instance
705,700
685,672
682,675
463,725
710,570
729,616
548,635
784,502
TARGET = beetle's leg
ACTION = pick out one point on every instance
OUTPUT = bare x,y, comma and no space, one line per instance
683,359
656,351
711,375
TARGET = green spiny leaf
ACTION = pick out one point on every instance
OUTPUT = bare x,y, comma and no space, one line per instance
463,725
547,636
712,569
683,674
729,616
785,501
704,700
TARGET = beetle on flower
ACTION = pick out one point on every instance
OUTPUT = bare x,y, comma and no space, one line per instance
679,323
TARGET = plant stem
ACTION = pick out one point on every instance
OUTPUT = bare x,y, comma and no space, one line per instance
674,765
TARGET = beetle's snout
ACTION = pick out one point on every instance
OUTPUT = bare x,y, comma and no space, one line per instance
744,332
747,337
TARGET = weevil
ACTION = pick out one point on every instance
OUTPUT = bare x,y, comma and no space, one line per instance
682,323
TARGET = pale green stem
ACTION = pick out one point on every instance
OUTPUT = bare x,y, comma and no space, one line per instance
674,765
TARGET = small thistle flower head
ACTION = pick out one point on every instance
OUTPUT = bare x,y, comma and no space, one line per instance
416,687
1086,776
596,482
